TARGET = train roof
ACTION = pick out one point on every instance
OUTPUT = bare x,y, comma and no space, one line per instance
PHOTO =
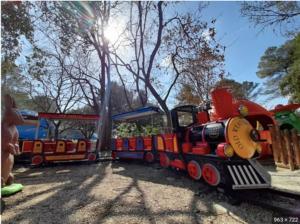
137,114
60,116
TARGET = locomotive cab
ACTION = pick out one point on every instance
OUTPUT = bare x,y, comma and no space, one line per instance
182,118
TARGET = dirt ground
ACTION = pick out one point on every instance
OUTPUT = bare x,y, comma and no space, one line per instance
119,192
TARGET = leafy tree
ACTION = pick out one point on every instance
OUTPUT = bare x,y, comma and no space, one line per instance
282,14
244,90
15,23
290,84
14,83
280,67
186,95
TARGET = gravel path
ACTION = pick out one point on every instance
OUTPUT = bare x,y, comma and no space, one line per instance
119,192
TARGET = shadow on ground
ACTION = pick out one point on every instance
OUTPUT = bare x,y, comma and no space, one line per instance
119,192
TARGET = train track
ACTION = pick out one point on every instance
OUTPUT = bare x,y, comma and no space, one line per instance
282,203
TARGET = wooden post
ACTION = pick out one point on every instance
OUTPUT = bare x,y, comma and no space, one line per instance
296,146
280,142
276,155
287,141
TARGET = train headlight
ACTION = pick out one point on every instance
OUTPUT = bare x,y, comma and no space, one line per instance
228,150
224,150
259,148
243,110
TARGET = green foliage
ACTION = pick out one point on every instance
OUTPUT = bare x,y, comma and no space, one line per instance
290,84
15,22
126,130
150,130
280,66
13,83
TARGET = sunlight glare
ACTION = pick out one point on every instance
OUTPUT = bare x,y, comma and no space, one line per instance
114,31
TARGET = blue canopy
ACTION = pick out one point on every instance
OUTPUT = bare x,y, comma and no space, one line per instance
28,131
136,114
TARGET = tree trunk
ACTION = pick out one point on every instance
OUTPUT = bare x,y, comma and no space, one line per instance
163,105
106,139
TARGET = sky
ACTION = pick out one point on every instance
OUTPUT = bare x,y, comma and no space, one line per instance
244,43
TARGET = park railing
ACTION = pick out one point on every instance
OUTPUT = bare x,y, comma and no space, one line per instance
286,147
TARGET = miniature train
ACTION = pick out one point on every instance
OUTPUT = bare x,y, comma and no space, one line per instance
46,150
218,147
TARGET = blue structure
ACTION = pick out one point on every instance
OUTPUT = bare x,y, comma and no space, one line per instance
27,132
136,114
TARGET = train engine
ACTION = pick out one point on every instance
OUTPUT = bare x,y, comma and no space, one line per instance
219,147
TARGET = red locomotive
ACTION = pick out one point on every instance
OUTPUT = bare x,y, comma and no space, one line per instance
218,146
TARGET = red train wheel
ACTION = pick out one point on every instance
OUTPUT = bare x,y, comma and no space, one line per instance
194,170
37,160
211,174
164,160
91,156
149,157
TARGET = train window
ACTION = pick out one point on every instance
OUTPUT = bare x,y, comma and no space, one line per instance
185,118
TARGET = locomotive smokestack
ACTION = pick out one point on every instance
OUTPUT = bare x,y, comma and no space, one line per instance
222,101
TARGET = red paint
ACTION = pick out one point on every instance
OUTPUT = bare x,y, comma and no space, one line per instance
37,160
220,150
91,156
265,135
221,97
69,116
210,174
88,145
119,144
169,142
289,107
113,155
147,143
164,160
201,148
265,150
49,146
186,147
27,146
178,164
194,170
202,117
149,157
132,144
70,146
